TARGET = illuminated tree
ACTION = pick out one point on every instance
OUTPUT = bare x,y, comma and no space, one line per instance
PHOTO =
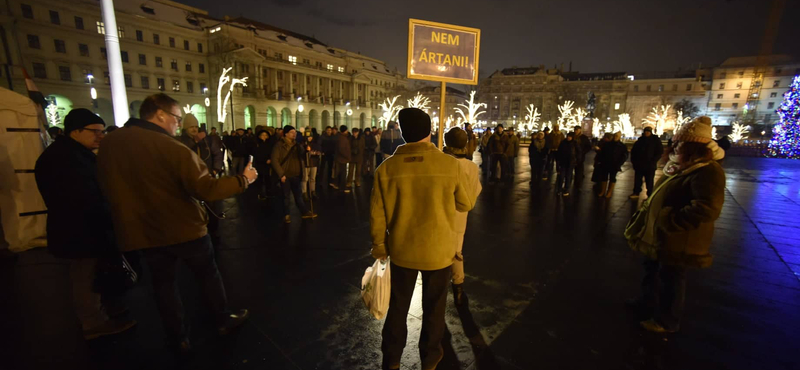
390,110
786,140
565,113
419,101
222,110
532,118
471,108
52,114
680,120
623,124
657,118
739,130
596,127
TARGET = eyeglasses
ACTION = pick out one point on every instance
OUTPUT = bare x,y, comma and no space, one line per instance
96,131
177,117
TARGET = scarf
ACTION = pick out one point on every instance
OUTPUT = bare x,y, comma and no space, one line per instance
673,167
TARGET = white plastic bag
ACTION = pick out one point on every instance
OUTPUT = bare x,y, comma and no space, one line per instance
376,285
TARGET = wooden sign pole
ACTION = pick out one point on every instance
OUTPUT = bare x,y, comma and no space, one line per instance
442,118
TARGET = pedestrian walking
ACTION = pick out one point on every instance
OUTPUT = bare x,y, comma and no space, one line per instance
79,226
357,148
566,161
287,161
537,155
433,190
612,156
584,147
312,160
342,158
457,144
644,156
675,226
148,201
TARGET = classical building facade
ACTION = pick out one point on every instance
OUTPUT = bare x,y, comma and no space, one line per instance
719,92
181,50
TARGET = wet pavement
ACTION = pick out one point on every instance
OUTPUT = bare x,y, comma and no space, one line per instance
546,280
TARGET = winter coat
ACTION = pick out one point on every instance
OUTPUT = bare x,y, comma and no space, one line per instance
646,152
313,152
537,151
472,144
415,197
208,149
240,146
567,154
553,140
262,153
681,215
512,146
390,140
498,144
287,158
78,215
154,186
584,147
357,148
370,143
343,150
470,169
612,156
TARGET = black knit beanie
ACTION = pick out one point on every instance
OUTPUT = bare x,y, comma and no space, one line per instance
79,118
415,124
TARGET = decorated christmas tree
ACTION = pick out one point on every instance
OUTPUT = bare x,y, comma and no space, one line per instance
785,142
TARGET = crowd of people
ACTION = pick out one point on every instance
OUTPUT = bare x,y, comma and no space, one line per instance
106,197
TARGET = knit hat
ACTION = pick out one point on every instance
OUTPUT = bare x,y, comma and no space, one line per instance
80,118
456,138
699,130
189,120
648,128
415,124
287,129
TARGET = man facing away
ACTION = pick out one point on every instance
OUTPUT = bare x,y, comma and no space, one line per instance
644,156
584,146
342,156
415,197
457,144
79,224
154,185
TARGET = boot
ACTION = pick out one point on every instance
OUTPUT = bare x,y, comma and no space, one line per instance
602,189
610,190
458,294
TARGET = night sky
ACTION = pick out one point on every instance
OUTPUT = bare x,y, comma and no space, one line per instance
596,35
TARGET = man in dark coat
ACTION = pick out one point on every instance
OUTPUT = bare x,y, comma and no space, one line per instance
287,161
584,147
390,140
644,156
567,158
328,142
79,225
498,143
357,148
342,157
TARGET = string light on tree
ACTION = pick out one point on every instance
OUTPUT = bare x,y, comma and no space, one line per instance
565,112
532,118
222,105
52,114
785,142
419,101
390,110
658,118
680,120
624,125
471,108
596,127
739,131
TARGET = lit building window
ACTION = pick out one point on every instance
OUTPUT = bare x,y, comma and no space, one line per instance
121,31
341,69
101,28
616,106
293,59
330,67
176,85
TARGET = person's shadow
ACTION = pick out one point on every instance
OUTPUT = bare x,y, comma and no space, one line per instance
484,358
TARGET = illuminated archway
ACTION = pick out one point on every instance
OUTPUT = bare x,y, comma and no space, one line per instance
337,120
326,119
313,119
272,116
249,116
286,117
61,106
362,120
199,112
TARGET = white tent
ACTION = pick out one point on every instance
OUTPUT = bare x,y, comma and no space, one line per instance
22,211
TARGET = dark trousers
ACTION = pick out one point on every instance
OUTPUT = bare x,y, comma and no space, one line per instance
649,178
664,290
326,168
341,175
579,171
564,178
434,299
537,165
510,168
551,161
198,255
239,163
485,162
354,173
378,159
495,159
292,186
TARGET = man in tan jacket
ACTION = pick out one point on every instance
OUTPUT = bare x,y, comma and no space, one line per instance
417,228
154,186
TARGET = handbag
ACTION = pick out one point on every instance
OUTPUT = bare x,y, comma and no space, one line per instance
114,275
634,230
